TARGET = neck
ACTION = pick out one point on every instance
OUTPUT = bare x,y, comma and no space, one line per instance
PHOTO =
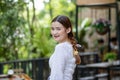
67,40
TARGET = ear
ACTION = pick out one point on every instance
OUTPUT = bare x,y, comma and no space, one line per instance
68,30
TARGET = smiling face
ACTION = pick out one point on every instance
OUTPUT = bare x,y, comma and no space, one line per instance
59,32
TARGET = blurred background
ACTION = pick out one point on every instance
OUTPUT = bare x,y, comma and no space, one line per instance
26,42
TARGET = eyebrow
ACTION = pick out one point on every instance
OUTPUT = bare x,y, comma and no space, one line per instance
56,27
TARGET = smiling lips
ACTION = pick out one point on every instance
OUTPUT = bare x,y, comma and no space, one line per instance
56,36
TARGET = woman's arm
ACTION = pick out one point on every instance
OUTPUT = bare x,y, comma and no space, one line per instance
58,63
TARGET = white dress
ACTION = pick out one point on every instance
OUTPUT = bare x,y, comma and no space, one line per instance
62,62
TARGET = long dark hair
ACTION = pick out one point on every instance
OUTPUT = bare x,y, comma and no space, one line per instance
65,21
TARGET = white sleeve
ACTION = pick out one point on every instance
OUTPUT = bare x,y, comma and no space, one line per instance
58,64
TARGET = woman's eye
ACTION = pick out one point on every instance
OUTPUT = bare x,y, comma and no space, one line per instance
52,28
58,29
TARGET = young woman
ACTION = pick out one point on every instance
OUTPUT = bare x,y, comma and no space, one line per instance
65,57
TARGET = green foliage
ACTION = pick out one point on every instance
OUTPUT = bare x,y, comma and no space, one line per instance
10,29
110,56
25,32
43,43
86,23
83,30
58,7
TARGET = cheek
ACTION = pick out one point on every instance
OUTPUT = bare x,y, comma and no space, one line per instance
64,34
63,31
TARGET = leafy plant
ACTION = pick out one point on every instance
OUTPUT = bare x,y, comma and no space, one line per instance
110,56
83,29
101,25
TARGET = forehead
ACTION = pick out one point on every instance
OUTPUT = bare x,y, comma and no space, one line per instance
57,24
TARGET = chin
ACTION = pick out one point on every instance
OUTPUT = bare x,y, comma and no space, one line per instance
57,40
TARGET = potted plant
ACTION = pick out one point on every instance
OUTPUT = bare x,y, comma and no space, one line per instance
83,29
110,56
101,26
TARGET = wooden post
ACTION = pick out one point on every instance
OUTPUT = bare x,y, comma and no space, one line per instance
88,2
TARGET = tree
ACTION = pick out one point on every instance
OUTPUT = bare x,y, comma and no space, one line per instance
10,28
25,32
